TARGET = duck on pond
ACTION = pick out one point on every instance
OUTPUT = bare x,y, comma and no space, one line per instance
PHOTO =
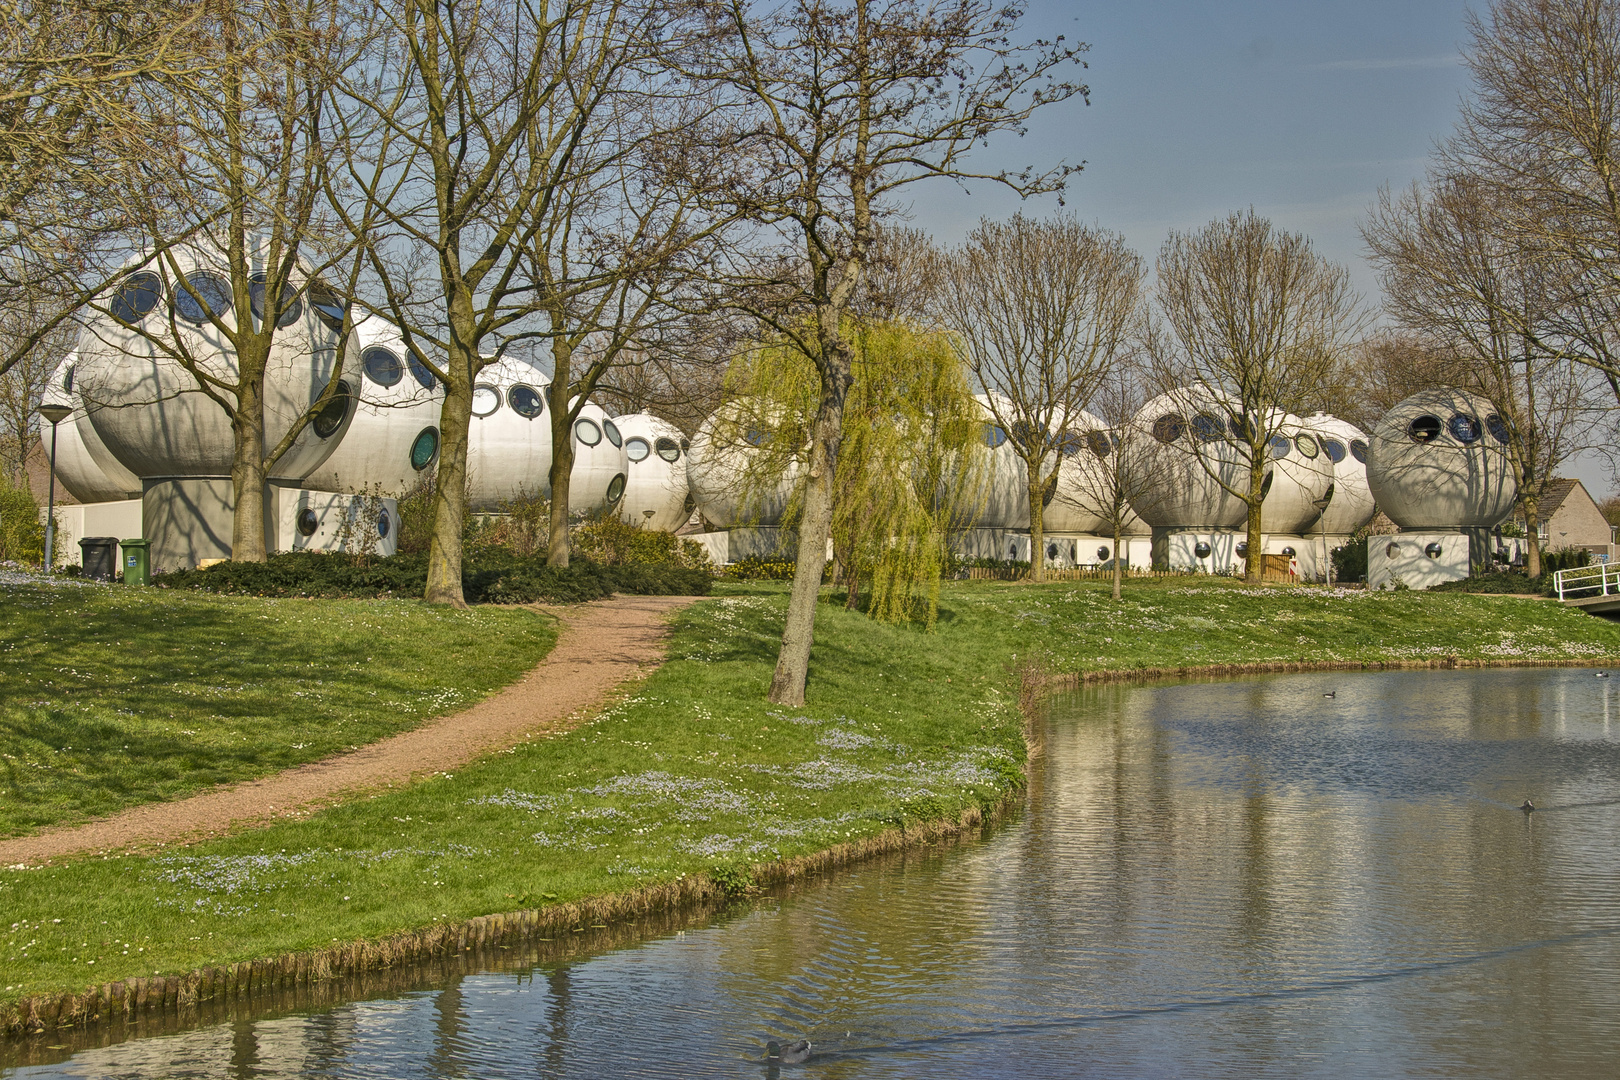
794,1053
1528,806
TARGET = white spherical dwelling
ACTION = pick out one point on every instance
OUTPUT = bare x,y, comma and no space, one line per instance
598,478
1299,485
393,438
84,465
1184,455
509,436
1439,460
1082,494
655,493
1352,504
148,409
1003,501
717,463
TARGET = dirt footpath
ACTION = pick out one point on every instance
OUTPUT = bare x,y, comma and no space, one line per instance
600,646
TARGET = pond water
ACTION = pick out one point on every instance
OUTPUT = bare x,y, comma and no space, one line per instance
1217,879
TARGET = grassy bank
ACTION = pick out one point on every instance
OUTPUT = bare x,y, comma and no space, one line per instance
696,774
112,696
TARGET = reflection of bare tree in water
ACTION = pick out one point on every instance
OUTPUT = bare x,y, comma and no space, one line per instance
447,1031
244,1050
557,1013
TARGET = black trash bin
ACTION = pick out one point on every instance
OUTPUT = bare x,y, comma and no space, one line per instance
99,557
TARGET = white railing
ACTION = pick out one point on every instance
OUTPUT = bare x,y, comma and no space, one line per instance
1599,579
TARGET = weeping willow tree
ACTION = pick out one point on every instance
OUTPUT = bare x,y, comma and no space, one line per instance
910,463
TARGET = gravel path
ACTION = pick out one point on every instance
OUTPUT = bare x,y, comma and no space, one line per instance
601,645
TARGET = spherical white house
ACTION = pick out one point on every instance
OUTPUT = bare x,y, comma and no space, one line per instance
1439,460
509,435
1183,456
1004,496
1352,504
84,465
655,494
598,478
1082,494
393,438
1299,486
717,464
149,411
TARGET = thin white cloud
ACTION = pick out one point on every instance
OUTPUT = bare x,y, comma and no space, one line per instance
1390,63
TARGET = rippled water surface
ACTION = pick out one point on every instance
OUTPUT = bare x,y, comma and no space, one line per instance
1231,879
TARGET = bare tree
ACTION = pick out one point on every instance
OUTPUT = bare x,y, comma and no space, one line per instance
23,385
1042,311
1255,319
1480,297
235,230
855,101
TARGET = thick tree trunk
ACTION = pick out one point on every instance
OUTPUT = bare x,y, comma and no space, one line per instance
1119,571
450,491
1532,536
1037,531
815,526
247,470
1254,567
562,471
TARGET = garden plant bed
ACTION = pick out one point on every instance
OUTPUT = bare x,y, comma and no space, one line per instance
695,784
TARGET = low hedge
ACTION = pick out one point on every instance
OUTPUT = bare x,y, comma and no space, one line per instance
487,577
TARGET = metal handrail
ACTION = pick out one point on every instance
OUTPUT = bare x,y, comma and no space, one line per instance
1599,577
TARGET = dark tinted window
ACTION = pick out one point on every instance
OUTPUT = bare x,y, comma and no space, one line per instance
383,524
993,435
612,430
1465,429
1169,427
382,366
1280,447
1335,450
1206,427
425,448
1306,446
328,307
308,522
615,488
1358,450
525,401
420,372
209,293
1069,443
1424,429
137,295
1497,427
667,449
330,418
292,308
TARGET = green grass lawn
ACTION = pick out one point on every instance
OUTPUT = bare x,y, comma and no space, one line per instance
115,696
697,772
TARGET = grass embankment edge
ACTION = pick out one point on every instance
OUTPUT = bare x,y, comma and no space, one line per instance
172,997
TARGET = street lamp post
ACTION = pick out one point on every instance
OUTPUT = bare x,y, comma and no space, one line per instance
55,414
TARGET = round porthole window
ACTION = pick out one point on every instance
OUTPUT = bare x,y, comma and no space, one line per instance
1424,429
1069,444
1433,551
636,448
208,295
668,449
587,432
615,488
1101,445
1279,447
525,401
1358,450
1497,427
1242,549
67,381
994,436
420,372
1102,554
486,399
136,296
1465,429
1306,446
1201,550
1051,551
327,306
307,522
1334,449
425,448
1207,428
1288,551
1393,550
331,417
292,308
383,524
381,366
1265,484
612,430
1169,427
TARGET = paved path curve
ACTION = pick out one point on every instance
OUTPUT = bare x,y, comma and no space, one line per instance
601,645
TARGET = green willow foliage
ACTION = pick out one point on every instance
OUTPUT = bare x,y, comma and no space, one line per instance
911,463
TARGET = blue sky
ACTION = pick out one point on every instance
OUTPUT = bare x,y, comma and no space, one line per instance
1301,109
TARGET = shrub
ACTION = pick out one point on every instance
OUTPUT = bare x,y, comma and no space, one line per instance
22,536
1350,561
612,541
1567,558
761,568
